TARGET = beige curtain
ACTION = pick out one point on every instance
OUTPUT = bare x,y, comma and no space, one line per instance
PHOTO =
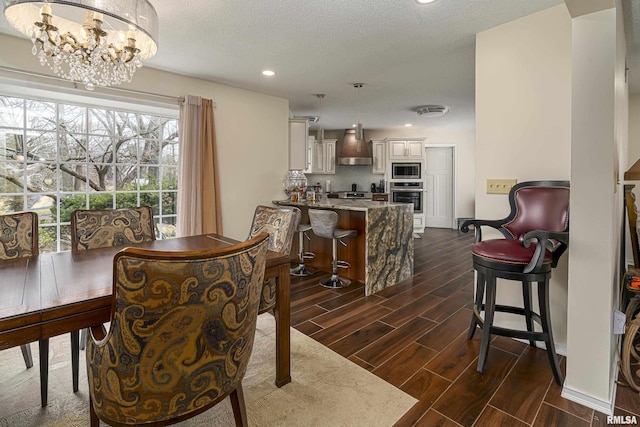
198,186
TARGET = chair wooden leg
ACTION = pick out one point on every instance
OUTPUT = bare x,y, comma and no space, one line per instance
239,408
75,359
543,301
526,297
480,284
489,309
26,355
93,417
43,345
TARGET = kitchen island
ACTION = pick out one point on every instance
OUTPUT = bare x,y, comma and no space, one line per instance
381,255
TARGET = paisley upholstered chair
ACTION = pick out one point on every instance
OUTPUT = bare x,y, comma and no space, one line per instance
19,239
92,229
280,224
182,331
536,234
101,228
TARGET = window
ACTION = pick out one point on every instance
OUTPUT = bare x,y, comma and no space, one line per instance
56,157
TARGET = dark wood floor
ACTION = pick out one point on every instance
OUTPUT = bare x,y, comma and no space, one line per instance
413,335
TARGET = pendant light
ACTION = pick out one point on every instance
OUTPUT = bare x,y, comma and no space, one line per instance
320,134
359,130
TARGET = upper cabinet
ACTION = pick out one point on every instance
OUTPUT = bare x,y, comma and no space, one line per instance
324,156
379,150
298,140
406,150
311,141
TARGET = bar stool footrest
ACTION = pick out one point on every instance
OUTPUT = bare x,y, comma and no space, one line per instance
343,264
308,255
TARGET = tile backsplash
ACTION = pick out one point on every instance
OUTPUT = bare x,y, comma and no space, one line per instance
345,176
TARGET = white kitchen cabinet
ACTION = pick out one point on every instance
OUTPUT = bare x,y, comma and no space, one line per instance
379,150
298,137
324,156
406,150
311,140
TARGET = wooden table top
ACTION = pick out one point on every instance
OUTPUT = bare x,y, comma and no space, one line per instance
54,285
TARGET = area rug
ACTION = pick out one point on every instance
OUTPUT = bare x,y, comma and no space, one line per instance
326,389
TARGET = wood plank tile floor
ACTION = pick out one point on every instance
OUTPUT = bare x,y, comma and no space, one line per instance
413,335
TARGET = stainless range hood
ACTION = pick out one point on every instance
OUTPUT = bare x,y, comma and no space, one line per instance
354,151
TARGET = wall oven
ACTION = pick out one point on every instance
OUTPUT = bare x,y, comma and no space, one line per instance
408,192
405,170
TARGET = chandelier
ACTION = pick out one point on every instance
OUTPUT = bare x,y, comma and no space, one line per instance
95,42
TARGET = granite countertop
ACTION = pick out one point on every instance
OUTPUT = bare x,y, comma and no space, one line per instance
345,204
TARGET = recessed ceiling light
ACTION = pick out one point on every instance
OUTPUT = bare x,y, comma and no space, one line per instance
425,1
408,125
268,73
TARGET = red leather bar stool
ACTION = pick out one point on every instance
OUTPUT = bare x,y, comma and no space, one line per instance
324,224
536,234
302,270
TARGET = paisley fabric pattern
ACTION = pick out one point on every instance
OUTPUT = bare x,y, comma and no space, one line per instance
281,224
18,235
181,334
92,229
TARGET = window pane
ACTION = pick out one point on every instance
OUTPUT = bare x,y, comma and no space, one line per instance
73,177
151,199
69,203
101,122
72,147
65,238
167,227
11,112
127,151
42,177
101,201
149,178
126,200
170,153
11,203
44,205
101,149
41,115
101,177
42,146
126,124
48,239
12,177
12,144
169,202
127,177
73,118
149,151
169,178
170,131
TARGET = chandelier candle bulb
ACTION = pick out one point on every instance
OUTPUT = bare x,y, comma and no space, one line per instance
98,16
45,9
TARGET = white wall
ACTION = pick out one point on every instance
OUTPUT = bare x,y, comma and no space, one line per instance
523,118
599,141
634,132
251,130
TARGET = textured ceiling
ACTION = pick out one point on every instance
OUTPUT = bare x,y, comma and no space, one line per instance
405,54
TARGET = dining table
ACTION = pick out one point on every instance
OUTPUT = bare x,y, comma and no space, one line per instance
63,292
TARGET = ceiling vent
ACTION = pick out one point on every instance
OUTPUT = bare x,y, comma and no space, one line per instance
431,110
312,119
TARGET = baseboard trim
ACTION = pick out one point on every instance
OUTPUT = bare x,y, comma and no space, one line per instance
606,407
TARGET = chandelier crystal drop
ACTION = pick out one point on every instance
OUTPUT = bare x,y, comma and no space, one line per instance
93,42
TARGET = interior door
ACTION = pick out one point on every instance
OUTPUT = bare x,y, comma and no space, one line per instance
438,184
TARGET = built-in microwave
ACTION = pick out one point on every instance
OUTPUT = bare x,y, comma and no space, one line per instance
406,170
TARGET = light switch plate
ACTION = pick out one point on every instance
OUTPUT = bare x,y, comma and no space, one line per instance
619,321
500,186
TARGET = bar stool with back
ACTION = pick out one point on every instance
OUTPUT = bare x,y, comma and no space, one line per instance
536,235
324,224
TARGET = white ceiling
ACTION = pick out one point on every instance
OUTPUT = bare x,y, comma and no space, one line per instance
406,54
